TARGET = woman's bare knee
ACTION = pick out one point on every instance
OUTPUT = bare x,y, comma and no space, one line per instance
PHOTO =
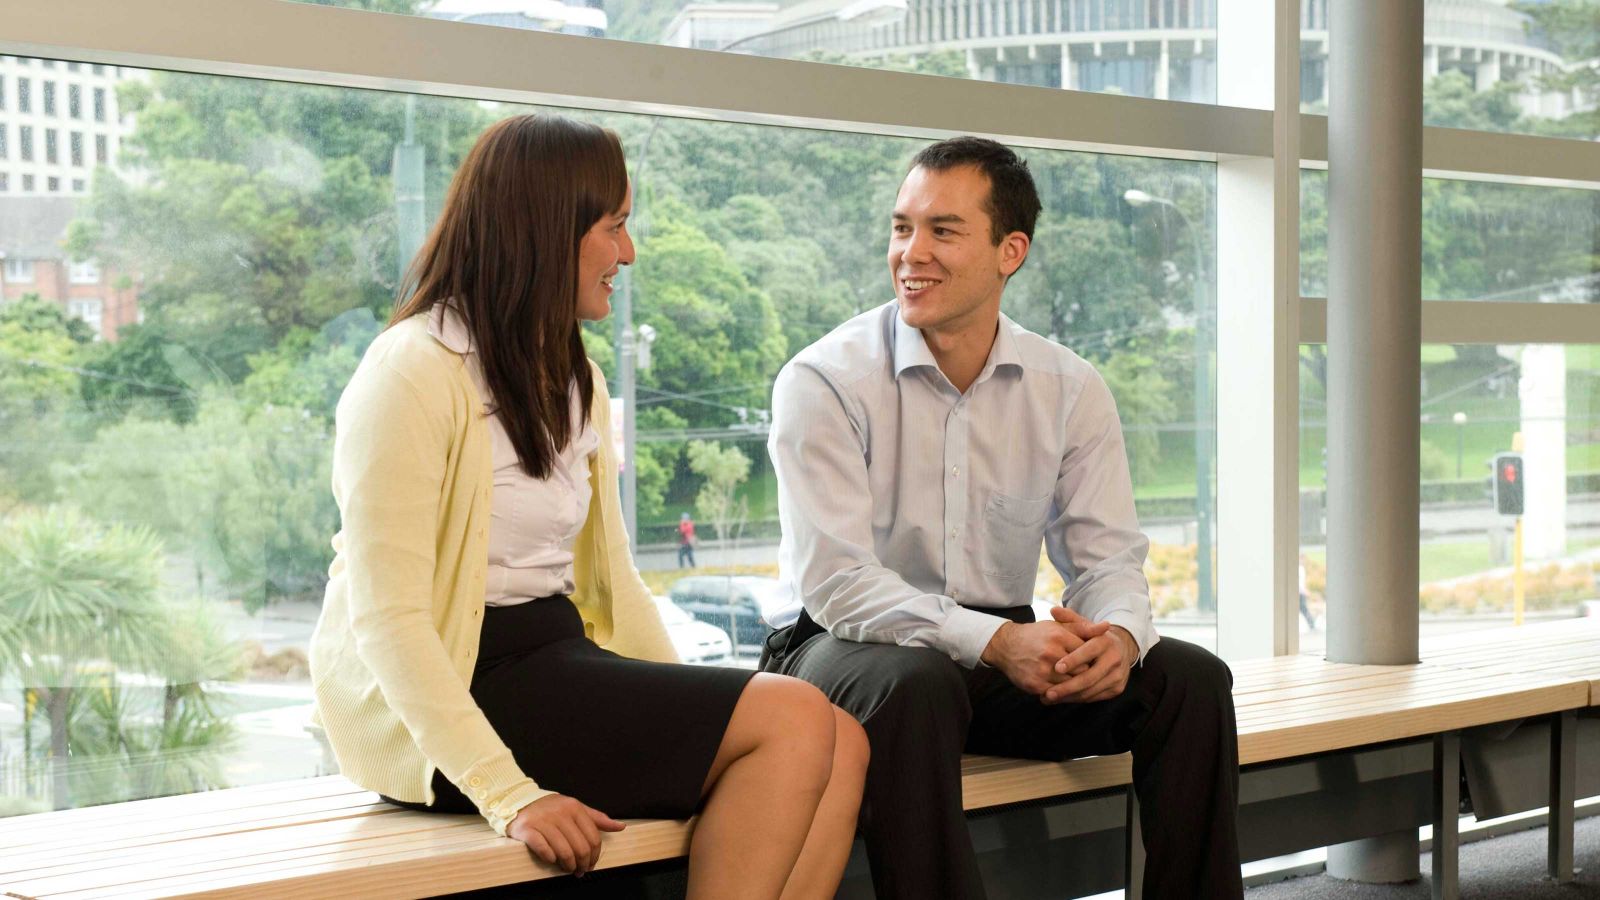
780,714
851,749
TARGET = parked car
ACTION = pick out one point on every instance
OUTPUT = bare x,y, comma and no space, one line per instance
698,643
733,603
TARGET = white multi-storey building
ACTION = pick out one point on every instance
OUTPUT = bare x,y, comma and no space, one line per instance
1166,49
58,121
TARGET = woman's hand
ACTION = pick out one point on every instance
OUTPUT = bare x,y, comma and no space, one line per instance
561,831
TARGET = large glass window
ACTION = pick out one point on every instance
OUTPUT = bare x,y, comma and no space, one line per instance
248,260
1137,47
1480,401
1481,241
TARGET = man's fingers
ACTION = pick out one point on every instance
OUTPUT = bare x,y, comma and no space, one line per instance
1080,685
1079,658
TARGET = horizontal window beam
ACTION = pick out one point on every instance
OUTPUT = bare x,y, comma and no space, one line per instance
299,42
1480,322
1483,155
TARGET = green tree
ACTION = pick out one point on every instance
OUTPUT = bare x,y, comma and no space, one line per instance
1574,27
42,416
1085,285
724,469
77,598
712,326
261,207
243,491
1452,100
1144,398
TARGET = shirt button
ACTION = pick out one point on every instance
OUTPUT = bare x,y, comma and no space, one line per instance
955,656
475,781
955,470
483,794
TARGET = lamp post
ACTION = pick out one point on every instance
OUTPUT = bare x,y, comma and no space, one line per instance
1202,401
633,347
1460,418
411,224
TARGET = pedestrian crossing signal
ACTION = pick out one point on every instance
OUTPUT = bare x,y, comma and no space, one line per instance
1508,493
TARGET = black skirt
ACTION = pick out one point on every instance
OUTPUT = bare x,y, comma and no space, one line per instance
630,738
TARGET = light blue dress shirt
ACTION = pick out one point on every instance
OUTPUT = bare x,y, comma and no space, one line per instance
901,498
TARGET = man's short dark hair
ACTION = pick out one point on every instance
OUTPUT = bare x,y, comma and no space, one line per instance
1013,202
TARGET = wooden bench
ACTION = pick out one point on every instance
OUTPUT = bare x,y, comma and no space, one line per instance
325,837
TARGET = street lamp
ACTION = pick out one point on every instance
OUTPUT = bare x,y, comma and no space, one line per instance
1202,400
1460,419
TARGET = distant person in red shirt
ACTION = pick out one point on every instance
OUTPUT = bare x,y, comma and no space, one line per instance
686,540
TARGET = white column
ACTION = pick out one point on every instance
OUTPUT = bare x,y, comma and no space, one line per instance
1164,71
1488,69
1069,72
1258,294
1543,394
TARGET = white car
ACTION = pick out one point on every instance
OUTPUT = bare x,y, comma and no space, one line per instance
698,643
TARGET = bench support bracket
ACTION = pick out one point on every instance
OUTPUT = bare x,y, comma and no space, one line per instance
1447,815
1135,850
1563,782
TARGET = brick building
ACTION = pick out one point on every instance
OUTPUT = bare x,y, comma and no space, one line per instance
33,232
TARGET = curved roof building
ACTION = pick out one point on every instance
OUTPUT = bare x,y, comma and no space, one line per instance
1166,49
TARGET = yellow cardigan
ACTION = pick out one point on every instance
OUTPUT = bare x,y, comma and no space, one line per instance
393,652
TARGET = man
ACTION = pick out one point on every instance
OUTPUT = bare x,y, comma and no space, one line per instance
685,541
923,452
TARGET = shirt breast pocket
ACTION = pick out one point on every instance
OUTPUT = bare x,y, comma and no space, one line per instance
1013,533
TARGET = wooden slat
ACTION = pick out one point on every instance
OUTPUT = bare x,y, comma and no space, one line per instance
209,824
384,823
242,798
415,871
1003,781
1350,707
1261,743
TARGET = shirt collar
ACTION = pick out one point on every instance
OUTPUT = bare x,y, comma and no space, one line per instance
911,351
449,329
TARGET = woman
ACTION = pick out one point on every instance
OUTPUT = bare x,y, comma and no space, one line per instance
486,643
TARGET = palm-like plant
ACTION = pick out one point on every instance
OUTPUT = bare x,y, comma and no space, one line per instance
78,599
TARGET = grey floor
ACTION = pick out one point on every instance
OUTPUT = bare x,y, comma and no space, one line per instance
1509,867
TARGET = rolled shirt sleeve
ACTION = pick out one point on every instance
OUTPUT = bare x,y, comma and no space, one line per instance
1093,539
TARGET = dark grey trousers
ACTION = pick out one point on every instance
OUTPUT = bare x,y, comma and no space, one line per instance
921,711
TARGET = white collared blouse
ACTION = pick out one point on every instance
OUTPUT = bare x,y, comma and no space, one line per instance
534,521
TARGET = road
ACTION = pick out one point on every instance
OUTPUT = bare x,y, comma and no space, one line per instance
1450,522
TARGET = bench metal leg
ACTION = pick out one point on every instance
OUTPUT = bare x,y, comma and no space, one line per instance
1446,815
1563,780
1134,839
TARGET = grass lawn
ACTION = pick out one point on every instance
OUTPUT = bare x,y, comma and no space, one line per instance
1453,559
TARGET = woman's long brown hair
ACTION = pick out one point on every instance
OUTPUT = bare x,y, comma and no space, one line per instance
504,254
